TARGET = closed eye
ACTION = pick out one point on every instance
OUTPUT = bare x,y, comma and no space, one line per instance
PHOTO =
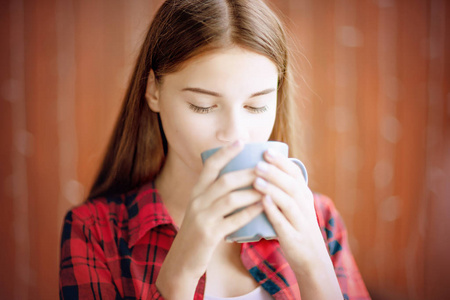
257,110
200,109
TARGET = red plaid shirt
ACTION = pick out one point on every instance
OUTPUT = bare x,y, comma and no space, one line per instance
113,248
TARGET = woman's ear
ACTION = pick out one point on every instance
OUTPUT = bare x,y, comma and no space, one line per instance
152,92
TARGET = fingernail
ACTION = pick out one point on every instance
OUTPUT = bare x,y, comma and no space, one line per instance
262,166
271,153
236,144
261,182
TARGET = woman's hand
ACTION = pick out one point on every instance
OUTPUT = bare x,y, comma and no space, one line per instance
208,219
289,205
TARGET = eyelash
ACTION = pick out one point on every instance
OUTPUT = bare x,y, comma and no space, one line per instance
258,110
205,110
200,110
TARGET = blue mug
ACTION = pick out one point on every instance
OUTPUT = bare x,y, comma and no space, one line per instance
248,158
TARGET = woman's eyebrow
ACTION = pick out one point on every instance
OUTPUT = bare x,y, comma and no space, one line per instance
214,94
263,92
202,91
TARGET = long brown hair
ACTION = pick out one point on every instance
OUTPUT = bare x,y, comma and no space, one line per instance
180,30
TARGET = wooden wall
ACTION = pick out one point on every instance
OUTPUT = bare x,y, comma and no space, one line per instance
374,101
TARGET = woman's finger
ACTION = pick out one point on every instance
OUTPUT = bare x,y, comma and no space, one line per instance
226,184
285,202
240,218
279,222
234,201
214,164
273,174
284,164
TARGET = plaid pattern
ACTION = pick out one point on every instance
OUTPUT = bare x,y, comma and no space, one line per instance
113,248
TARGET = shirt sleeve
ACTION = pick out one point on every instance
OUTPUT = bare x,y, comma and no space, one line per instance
335,235
84,273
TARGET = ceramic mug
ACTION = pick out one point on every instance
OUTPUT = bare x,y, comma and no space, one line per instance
248,158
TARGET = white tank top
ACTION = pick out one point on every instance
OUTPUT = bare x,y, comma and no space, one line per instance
257,294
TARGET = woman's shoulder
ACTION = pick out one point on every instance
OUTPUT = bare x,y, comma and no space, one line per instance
323,204
328,217
101,209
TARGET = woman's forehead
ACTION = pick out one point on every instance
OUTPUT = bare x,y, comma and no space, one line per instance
230,66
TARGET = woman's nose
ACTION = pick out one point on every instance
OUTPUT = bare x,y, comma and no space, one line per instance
231,128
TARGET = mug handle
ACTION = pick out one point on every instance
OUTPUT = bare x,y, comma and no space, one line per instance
302,167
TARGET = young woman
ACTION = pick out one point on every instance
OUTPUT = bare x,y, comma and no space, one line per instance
209,74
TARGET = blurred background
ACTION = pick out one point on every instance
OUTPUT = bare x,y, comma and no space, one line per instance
374,100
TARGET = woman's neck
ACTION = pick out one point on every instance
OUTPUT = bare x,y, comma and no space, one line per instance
174,183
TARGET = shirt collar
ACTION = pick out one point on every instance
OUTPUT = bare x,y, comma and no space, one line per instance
145,212
266,263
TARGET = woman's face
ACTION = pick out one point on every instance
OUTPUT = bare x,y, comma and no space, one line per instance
215,99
